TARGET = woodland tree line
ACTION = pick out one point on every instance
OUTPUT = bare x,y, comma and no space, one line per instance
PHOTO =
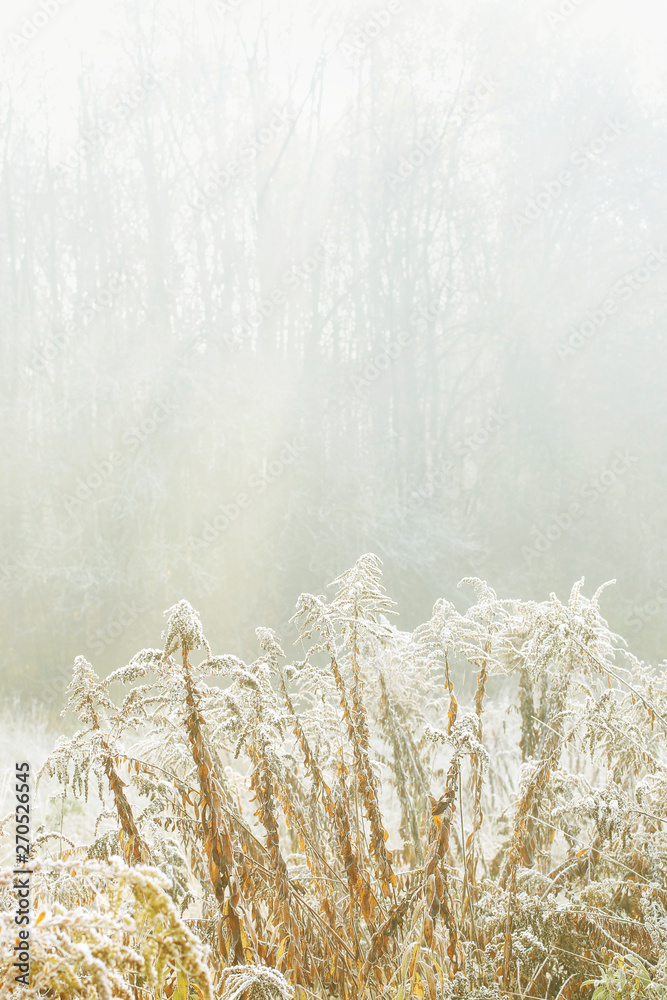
245,232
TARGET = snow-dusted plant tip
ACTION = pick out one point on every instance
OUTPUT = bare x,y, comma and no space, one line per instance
183,629
253,982
473,809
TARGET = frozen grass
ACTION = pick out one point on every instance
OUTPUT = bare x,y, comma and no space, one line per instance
28,733
472,809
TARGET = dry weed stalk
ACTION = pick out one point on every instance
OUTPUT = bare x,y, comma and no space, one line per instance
265,803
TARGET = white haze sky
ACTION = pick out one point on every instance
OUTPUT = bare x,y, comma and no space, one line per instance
84,27
509,39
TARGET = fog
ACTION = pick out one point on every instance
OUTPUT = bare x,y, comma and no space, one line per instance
283,283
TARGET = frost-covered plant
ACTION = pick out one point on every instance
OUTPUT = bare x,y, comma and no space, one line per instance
120,936
366,822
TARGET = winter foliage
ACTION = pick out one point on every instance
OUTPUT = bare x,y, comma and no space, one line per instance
473,809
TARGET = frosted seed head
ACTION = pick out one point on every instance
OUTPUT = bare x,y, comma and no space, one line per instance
183,628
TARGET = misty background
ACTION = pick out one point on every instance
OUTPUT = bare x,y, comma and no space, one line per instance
282,283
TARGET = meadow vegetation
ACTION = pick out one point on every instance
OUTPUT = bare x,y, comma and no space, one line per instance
472,809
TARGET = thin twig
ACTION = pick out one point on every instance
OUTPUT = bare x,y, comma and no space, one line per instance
466,886
607,669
